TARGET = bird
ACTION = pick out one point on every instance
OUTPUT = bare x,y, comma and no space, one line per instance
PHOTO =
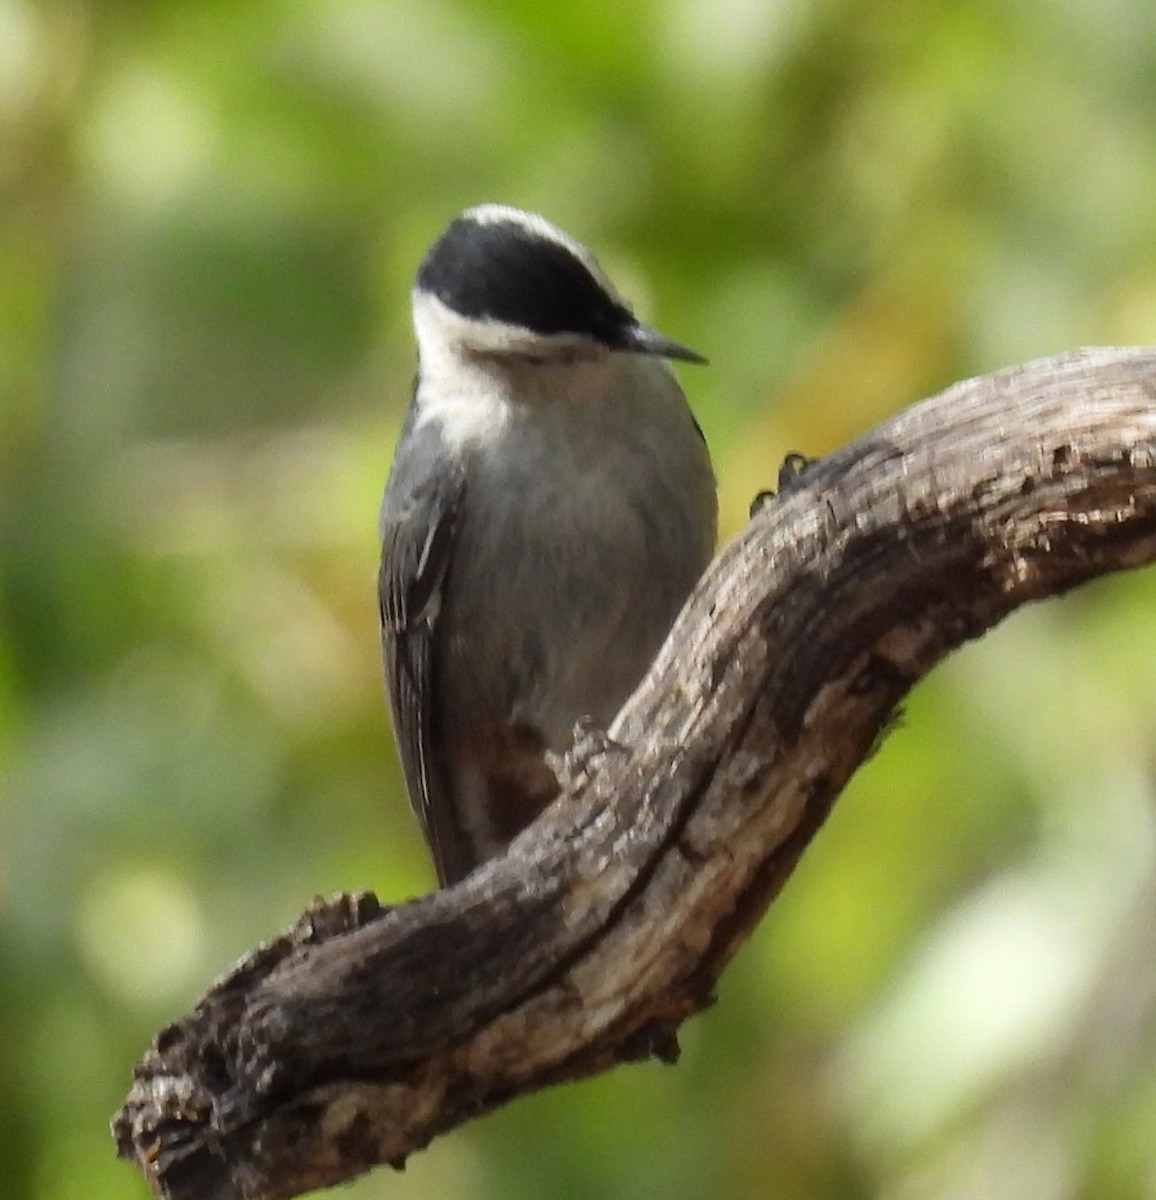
550,505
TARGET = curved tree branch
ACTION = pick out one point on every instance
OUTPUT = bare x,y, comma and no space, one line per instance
365,1030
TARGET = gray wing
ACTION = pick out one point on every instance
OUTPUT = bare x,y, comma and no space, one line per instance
418,517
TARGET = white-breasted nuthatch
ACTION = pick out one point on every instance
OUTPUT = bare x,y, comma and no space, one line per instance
550,505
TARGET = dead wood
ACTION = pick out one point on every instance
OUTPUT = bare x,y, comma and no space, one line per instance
365,1030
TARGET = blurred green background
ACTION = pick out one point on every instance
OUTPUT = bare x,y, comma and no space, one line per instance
211,213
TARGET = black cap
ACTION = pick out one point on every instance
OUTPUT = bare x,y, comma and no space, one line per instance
503,265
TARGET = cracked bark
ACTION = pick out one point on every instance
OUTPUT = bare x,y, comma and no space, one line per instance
366,1029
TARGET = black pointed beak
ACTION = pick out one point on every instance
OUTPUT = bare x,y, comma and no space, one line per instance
644,340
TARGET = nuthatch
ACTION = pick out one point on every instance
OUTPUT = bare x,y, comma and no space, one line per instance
550,506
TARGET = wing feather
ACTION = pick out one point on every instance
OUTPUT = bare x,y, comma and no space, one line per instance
419,515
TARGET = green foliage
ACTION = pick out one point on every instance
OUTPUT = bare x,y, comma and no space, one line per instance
210,217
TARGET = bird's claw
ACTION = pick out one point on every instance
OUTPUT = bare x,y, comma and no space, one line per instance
792,469
577,763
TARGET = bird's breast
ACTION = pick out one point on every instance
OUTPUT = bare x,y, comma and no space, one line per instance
577,545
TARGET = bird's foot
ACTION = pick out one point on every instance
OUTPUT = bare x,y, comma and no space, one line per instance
792,469
590,744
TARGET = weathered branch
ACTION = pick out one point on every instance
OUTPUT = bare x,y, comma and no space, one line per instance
364,1031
